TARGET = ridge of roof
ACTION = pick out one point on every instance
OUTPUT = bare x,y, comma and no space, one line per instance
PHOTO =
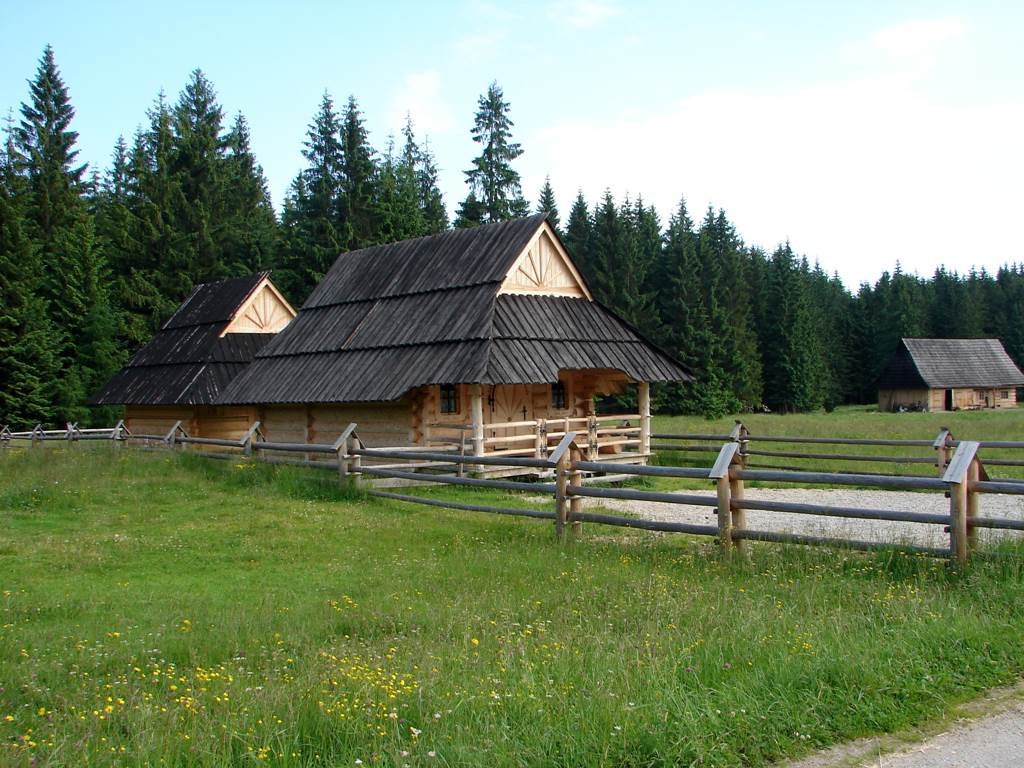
214,302
455,258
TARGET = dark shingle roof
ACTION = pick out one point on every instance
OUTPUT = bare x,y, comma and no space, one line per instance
188,362
950,363
394,317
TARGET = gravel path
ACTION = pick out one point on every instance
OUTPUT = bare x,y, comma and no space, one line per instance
989,733
994,506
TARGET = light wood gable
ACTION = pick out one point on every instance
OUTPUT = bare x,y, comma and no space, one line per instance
265,311
545,268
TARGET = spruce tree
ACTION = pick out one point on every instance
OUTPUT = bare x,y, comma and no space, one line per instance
435,217
493,183
417,179
398,197
314,219
578,234
249,240
28,366
471,212
61,232
358,179
794,365
546,203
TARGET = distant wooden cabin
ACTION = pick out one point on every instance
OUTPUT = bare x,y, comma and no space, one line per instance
209,340
949,375
486,338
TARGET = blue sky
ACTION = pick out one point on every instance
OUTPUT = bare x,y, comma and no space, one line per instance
865,133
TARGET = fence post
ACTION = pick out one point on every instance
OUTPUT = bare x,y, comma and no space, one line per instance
341,446
247,439
721,474
460,470
562,459
561,496
943,445
958,474
592,447
118,434
5,440
37,434
71,433
973,475
540,443
172,437
355,460
575,481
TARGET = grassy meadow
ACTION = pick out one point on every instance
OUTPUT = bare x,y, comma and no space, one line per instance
166,610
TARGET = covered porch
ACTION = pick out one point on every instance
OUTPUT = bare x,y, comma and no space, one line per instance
551,412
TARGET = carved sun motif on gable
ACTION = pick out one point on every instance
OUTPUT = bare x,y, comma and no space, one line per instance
262,312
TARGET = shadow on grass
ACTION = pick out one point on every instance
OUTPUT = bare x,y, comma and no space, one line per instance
281,480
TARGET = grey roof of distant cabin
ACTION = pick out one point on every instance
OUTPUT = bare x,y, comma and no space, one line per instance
390,318
188,362
950,363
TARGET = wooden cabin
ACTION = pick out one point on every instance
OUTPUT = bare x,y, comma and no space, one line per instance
206,343
949,375
485,338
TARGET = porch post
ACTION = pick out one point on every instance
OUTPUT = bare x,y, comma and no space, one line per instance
643,393
476,402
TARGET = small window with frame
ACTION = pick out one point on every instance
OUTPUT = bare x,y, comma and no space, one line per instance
1004,394
559,400
449,398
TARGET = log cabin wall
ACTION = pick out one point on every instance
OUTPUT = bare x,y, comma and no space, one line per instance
964,398
158,419
912,399
224,422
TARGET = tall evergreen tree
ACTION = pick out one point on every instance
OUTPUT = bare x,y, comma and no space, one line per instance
435,217
249,239
27,341
794,367
417,179
578,234
358,179
62,234
546,203
315,224
492,179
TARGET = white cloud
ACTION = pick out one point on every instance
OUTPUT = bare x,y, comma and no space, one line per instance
420,95
584,14
858,173
918,38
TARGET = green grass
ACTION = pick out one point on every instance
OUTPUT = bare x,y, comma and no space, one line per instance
166,610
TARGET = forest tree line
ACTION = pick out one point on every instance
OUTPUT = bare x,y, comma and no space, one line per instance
91,264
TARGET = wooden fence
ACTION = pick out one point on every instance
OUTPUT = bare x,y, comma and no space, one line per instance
963,478
622,434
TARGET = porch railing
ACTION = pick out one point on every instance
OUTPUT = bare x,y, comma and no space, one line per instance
601,435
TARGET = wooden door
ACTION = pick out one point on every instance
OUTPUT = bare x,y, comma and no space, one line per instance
512,402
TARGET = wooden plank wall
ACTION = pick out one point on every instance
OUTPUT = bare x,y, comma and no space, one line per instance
379,424
228,423
158,419
935,399
890,399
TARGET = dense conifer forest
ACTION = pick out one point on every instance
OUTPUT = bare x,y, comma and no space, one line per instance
91,263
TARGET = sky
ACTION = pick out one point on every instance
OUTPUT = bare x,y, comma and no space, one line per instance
865,133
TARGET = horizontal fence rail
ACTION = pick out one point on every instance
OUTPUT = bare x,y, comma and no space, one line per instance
572,465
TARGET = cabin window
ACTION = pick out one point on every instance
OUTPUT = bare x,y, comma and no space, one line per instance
1004,394
449,398
558,398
